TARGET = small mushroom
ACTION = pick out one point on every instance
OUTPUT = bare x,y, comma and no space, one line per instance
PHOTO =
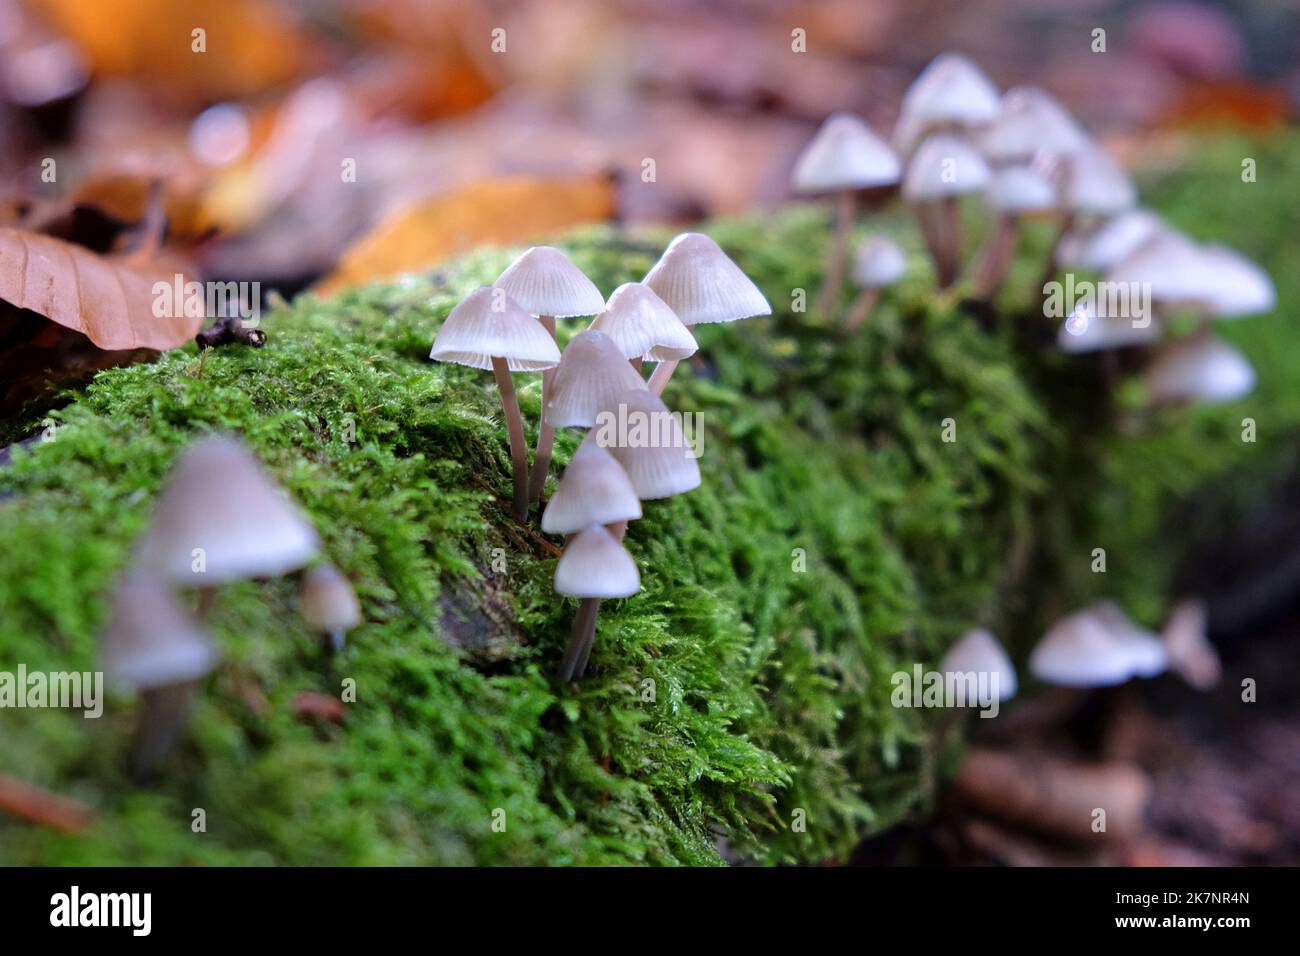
979,652
1168,267
329,604
1199,367
1030,121
1111,242
844,156
489,330
878,263
221,519
1187,646
944,168
546,283
654,452
1096,647
1092,187
595,565
1085,331
153,647
702,285
594,489
643,327
590,375
1239,286
951,93
1013,192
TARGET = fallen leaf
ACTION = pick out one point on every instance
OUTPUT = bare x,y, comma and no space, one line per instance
498,211
40,806
109,299
315,706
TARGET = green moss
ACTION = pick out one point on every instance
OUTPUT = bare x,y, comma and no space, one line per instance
771,685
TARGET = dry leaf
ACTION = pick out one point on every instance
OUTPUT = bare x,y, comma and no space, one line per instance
500,211
313,706
42,807
109,299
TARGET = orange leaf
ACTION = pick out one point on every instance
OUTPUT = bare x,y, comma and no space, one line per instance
495,211
109,299
40,806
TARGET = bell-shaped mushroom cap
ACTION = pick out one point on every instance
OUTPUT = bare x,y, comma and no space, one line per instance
150,642
594,489
647,440
1096,647
544,281
845,154
1188,647
1170,266
642,325
596,565
979,652
1095,185
1239,286
1029,121
328,602
1114,241
951,91
1020,189
592,373
219,500
1199,368
944,165
702,285
489,324
878,262
1085,332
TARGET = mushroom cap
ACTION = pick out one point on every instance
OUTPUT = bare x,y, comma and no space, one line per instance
844,154
1030,120
642,325
1084,332
1095,184
219,499
150,642
1240,286
544,281
878,262
591,374
1199,368
594,489
978,651
944,165
702,285
488,324
596,565
1115,240
1171,264
951,90
654,451
1188,646
1096,647
327,601
1020,189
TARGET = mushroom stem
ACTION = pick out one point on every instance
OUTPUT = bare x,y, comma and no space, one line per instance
839,252
337,638
660,376
997,258
578,652
950,240
933,243
163,713
545,432
861,309
207,600
1054,257
515,430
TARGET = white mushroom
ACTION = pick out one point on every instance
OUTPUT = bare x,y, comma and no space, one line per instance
594,489
1013,192
944,168
1201,368
591,374
648,441
643,326
878,263
952,91
329,604
979,652
595,565
1096,647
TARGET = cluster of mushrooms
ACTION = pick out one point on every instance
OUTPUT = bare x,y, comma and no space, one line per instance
958,137
220,519
510,327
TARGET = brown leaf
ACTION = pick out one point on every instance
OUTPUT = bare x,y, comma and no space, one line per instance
500,211
40,806
316,706
110,299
